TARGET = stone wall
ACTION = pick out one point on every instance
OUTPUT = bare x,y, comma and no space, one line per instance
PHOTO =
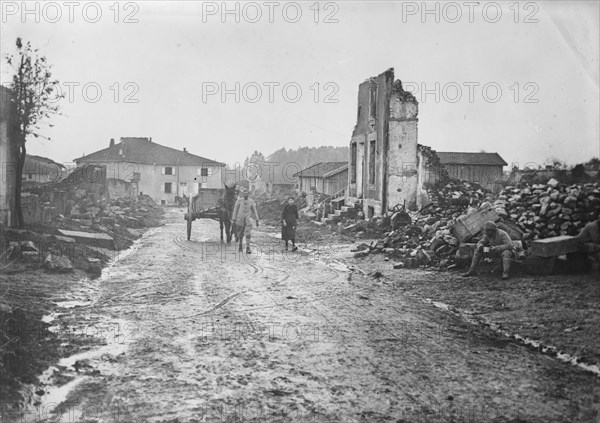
387,174
118,188
403,162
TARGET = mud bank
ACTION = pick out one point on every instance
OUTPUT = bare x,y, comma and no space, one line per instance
45,345
557,315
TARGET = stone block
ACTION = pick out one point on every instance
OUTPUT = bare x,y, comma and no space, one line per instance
555,246
90,238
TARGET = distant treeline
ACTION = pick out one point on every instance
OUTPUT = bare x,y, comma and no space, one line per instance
307,156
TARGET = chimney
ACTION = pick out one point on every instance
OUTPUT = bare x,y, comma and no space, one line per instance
112,142
150,139
184,150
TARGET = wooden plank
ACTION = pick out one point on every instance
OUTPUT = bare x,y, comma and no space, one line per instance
555,246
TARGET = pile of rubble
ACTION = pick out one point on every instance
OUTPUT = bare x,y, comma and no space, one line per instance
544,211
130,212
270,208
528,212
428,240
25,249
453,197
416,245
29,252
79,239
117,219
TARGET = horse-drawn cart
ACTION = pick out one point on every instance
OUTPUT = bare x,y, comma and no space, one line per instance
203,206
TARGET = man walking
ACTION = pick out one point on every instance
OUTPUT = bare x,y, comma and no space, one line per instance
244,216
494,243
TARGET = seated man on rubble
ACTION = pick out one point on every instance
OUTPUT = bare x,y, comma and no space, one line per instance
589,240
494,243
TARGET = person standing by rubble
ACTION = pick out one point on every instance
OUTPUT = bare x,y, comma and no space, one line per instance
244,216
289,221
494,243
589,240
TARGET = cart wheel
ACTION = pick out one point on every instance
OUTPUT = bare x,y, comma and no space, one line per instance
189,227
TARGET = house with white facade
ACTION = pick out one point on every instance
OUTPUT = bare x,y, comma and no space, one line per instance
156,170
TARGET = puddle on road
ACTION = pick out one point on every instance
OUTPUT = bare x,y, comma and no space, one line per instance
58,394
111,349
49,318
73,304
115,334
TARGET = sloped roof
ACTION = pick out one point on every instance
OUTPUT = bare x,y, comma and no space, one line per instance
142,150
320,169
489,159
39,164
336,171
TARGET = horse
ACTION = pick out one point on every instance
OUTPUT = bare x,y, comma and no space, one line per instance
225,210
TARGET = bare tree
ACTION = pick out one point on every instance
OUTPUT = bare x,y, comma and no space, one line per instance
34,95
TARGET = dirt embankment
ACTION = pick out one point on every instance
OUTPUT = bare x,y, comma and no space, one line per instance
40,267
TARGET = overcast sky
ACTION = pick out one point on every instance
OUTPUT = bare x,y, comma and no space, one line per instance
177,52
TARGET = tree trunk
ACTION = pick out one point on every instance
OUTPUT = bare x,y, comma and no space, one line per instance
21,153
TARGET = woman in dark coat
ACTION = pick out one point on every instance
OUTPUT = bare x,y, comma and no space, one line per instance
289,220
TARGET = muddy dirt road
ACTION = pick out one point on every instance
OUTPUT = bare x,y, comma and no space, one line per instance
193,331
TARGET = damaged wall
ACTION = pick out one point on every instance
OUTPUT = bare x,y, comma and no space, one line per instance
403,161
118,188
383,162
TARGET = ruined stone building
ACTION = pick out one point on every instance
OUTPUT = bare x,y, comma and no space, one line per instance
384,156
387,166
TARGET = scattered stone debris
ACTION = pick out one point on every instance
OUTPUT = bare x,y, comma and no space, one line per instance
59,264
78,238
544,211
270,208
527,213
